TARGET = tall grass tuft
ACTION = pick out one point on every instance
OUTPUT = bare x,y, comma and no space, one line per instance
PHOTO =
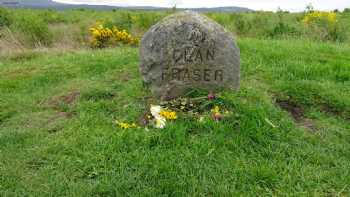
282,28
33,29
5,19
143,21
52,16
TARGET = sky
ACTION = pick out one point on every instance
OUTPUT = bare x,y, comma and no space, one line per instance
268,5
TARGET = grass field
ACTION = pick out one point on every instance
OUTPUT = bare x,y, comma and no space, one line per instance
22,30
289,133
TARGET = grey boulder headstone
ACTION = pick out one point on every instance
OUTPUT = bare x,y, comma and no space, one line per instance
188,51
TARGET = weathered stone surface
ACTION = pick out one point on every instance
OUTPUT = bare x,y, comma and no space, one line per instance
186,51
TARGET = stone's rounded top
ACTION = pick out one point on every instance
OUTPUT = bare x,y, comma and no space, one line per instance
188,16
185,15
187,50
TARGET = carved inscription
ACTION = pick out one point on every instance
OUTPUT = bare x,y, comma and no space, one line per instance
188,50
207,75
193,51
192,55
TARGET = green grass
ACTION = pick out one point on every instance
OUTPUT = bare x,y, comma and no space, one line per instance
27,28
57,136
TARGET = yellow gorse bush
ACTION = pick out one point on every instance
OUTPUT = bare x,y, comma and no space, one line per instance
323,25
102,36
315,17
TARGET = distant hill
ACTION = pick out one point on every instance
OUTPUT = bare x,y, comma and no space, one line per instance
55,5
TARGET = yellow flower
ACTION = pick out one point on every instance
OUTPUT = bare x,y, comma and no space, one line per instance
216,109
124,125
317,16
169,115
101,36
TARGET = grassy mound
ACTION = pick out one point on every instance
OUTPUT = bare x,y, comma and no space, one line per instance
289,133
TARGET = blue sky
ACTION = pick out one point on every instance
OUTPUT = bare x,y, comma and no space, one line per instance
291,5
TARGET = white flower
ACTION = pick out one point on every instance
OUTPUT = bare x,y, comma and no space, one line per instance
160,121
155,110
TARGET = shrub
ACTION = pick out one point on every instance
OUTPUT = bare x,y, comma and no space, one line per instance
34,30
324,24
262,24
282,28
145,21
102,36
242,25
123,21
51,16
329,18
4,17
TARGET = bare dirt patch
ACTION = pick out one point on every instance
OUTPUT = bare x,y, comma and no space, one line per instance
68,99
327,109
297,112
308,123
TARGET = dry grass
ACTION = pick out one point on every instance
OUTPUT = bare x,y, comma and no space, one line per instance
9,43
66,36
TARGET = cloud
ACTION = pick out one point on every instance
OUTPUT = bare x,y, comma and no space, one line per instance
292,5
